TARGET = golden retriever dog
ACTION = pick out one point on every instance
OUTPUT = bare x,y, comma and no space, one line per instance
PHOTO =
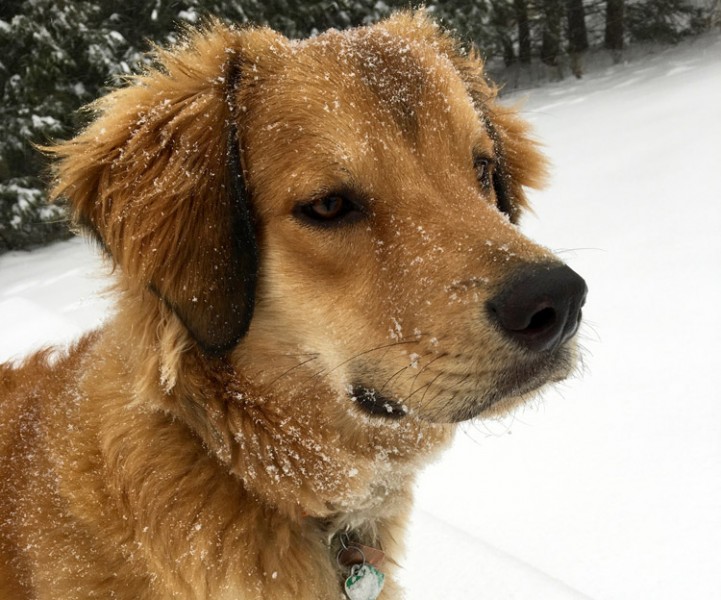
318,275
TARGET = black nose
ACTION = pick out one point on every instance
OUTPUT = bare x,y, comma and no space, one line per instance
541,307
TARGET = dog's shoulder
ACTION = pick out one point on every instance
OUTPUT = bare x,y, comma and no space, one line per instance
42,379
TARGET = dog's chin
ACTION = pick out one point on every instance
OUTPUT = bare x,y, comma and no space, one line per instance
513,386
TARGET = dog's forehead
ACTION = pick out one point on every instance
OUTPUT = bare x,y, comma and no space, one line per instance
343,99
404,81
400,74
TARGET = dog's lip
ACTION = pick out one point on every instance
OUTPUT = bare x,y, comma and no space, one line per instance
523,376
372,402
516,383
527,376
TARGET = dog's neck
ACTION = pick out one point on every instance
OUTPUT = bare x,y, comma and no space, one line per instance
297,444
298,465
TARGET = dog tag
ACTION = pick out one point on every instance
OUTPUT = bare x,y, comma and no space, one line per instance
365,583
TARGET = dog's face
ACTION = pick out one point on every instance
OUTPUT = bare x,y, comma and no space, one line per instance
386,226
384,182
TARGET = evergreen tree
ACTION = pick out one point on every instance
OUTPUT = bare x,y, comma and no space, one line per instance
714,14
664,21
53,59
468,19
501,30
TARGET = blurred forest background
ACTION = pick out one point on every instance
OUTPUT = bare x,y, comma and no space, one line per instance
57,55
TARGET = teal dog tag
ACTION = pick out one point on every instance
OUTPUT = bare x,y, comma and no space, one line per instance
365,583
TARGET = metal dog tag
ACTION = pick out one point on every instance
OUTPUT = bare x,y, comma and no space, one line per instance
365,583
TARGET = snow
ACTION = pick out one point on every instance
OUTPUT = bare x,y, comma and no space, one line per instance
610,486
49,296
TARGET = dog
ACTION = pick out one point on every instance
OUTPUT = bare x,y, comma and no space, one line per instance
318,274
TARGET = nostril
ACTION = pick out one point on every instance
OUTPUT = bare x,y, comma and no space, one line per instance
524,320
542,320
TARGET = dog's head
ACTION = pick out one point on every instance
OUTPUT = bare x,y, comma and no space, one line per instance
350,200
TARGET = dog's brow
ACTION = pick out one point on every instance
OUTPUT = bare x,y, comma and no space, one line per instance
395,75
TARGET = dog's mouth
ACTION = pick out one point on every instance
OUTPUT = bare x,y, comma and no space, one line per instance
516,384
530,375
372,402
489,396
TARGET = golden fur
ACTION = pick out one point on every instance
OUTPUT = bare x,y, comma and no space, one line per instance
172,454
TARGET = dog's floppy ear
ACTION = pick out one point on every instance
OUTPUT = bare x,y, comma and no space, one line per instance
520,163
157,178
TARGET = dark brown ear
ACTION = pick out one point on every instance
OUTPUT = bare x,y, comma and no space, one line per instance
157,177
520,163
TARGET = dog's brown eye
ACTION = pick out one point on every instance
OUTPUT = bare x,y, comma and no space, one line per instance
330,209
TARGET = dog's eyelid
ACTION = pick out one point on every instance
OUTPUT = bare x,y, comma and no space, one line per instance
484,166
486,159
331,209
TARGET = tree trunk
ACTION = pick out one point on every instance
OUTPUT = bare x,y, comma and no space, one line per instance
577,35
509,53
524,31
551,43
614,27
502,16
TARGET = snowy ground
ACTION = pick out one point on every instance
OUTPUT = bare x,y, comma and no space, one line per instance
610,487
